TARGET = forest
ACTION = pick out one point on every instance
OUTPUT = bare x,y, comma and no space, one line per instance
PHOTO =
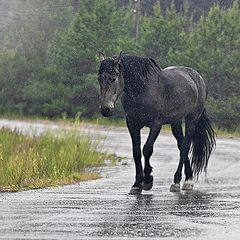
49,52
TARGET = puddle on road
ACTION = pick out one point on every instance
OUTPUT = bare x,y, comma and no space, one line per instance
180,215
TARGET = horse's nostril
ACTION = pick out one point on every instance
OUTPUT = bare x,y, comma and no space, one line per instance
106,111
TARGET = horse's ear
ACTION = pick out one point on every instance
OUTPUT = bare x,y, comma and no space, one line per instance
101,56
117,59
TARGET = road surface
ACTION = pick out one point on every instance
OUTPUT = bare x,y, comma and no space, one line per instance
102,209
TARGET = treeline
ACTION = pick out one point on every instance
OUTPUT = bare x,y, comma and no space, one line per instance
49,53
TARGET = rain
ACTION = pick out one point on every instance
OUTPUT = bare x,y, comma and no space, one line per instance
58,60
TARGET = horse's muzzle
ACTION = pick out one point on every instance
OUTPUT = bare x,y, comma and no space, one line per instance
106,111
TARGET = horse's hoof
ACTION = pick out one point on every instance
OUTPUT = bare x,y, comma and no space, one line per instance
147,186
135,191
188,185
175,187
147,183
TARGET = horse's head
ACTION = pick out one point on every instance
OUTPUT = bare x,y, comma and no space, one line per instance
110,78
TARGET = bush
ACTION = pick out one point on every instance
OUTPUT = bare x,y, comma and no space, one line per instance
225,113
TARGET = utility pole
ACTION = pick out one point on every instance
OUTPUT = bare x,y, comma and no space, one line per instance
137,13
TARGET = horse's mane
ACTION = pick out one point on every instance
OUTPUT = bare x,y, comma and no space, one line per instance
139,66
136,69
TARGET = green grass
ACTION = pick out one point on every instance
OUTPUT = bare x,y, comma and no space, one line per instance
48,160
99,120
227,134
102,121
107,121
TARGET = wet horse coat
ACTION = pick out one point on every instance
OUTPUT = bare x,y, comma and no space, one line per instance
152,97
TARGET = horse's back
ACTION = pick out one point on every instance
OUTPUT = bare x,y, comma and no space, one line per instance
185,91
185,78
186,72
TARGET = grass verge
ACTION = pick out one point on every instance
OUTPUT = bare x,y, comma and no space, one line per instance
101,121
28,162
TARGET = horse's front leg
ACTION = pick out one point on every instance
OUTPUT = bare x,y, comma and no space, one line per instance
134,131
147,152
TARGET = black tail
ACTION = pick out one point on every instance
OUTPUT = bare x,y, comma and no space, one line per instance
203,143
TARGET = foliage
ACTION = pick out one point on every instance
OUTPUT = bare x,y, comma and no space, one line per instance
97,27
213,49
225,113
38,161
24,44
161,33
48,66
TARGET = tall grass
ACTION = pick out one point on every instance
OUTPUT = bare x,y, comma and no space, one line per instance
46,160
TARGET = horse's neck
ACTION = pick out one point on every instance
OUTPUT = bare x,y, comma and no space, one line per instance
133,81
133,87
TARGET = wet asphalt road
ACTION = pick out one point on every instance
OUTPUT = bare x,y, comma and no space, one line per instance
102,209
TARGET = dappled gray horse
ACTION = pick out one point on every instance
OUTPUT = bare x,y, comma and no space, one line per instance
152,97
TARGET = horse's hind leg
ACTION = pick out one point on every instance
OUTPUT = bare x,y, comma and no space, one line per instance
147,152
183,146
178,134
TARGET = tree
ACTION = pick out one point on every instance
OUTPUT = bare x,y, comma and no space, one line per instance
213,49
24,44
161,33
98,26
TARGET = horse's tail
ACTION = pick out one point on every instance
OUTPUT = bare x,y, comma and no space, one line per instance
203,143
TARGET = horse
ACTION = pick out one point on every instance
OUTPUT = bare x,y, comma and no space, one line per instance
151,97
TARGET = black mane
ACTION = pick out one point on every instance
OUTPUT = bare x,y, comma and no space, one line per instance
135,69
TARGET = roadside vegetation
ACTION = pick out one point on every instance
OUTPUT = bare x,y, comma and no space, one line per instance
28,162
99,121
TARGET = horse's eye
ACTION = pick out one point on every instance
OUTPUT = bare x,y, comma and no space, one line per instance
113,79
